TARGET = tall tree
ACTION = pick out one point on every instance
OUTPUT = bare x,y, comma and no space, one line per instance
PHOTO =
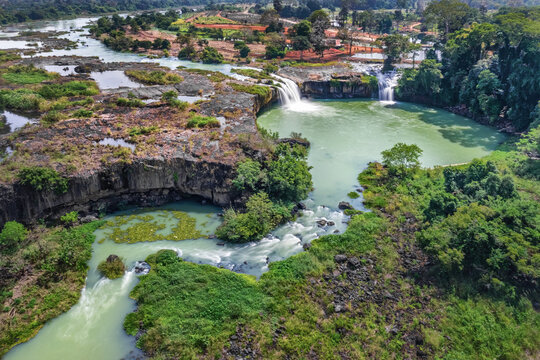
451,15
394,47
318,36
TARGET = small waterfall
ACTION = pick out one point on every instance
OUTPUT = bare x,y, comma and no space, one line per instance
289,92
291,98
387,83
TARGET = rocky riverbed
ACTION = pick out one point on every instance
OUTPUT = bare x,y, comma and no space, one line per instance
165,159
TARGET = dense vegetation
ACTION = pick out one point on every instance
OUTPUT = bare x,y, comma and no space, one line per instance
492,67
43,271
273,188
416,277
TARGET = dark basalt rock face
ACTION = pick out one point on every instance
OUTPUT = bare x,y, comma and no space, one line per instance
147,182
329,82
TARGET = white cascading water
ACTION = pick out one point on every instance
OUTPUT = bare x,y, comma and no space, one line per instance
387,83
387,80
291,98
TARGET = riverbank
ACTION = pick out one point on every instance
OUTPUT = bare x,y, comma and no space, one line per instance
375,291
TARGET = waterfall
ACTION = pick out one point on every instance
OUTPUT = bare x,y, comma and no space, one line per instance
291,98
387,83
289,92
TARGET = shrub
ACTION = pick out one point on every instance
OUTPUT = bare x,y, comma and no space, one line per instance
113,267
70,218
171,98
12,235
248,175
156,77
43,179
142,130
288,174
260,218
264,92
210,55
199,121
53,116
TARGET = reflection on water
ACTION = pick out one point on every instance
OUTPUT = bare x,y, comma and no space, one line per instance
12,121
113,79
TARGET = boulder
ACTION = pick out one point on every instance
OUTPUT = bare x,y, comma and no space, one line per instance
344,205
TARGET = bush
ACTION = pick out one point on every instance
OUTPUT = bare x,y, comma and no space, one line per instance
43,179
171,98
248,175
70,218
199,121
12,235
210,55
288,174
264,92
260,218
52,117
112,268
142,130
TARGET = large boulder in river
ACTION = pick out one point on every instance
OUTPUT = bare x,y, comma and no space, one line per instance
343,205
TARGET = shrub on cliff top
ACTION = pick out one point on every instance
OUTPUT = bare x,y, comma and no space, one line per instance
42,178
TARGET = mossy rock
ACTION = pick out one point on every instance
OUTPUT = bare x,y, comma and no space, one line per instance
113,267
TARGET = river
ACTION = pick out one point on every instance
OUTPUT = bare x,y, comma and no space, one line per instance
344,136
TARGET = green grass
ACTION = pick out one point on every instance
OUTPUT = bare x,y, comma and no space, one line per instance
20,99
72,88
51,254
200,121
214,76
192,309
156,77
259,75
264,92
21,74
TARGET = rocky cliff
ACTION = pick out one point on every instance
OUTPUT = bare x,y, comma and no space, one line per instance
331,82
140,155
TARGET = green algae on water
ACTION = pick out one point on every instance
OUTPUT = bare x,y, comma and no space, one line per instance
160,225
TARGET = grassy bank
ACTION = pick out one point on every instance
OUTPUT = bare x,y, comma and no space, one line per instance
412,279
43,272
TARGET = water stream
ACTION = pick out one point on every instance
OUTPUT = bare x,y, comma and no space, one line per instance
344,136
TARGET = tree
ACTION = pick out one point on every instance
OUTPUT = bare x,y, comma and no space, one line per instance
320,15
210,55
269,16
401,158
303,28
451,15
278,6
301,43
346,34
318,36
394,46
